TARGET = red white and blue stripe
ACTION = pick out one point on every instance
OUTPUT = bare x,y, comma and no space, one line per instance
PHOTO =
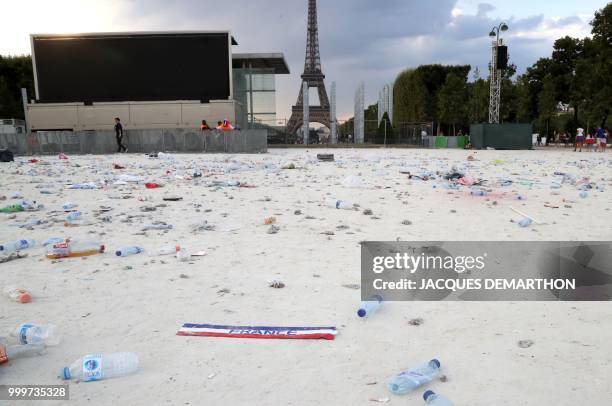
292,333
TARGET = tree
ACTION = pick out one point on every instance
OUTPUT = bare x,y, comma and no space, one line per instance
452,100
15,73
547,102
478,101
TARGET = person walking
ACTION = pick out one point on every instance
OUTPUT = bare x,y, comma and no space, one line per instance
119,135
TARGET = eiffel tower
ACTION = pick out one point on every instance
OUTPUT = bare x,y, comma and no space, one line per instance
313,76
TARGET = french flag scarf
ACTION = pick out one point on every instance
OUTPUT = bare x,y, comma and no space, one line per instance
295,333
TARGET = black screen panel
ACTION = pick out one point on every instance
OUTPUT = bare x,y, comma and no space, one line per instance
145,67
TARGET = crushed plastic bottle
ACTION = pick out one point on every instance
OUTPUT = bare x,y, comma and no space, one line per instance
525,222
69,206
125,251
339,204
10,352
95,367
432,398
28,333
17,245
370,306
412,378
17,294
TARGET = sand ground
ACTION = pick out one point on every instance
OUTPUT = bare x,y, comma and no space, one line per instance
106,304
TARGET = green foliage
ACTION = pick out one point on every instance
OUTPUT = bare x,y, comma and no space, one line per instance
15,73
452,99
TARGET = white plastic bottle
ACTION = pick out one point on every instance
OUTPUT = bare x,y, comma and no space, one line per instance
432,398
10,352
28,333
126,251
412,378
95,367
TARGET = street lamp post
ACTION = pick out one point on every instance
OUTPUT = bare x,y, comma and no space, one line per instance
495,74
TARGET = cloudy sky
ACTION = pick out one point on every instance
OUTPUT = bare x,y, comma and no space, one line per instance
360,40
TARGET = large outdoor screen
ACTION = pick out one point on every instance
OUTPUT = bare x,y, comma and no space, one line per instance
132,67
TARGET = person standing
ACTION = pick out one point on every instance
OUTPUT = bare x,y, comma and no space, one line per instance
579,139
601,139
119,135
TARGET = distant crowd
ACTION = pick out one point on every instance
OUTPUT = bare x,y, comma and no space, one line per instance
591,141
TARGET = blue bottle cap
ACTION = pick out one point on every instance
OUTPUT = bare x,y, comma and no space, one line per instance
66,373
361,312
435,362
427,394
118,253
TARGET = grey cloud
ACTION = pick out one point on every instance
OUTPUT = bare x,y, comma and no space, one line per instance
359,39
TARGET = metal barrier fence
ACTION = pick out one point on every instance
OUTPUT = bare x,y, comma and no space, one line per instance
139,141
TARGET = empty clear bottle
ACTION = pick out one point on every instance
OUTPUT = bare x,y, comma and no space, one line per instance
339,204
412,378
27,333
432,398
125,251
95,367
17,245
69,205
370,306
17,294
10,352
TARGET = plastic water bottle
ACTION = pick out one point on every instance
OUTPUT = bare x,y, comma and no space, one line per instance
584,194
17,294
183,255
10,352
168,250
36,334
370,306
149,227
125,251
432,398
17,245
69,205
75,215
71,249
339,204
410,379
525,222
95,367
